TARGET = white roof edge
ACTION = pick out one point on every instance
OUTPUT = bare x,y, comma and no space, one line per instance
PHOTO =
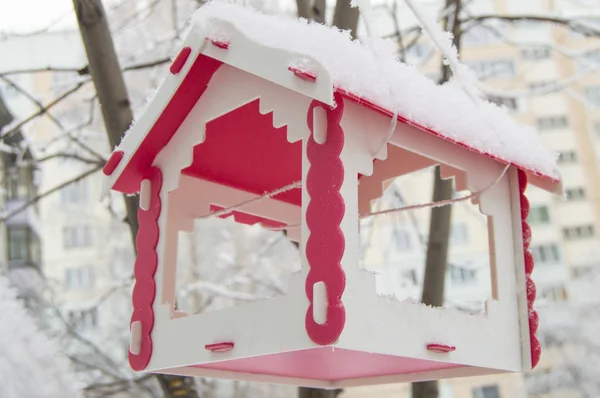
244,54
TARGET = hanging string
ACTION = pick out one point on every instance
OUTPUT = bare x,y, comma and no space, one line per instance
298,184
364,9
384,142
267,195
441,203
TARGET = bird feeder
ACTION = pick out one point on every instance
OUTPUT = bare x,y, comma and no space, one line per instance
252,104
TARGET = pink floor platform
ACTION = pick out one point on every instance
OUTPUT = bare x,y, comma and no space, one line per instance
328,364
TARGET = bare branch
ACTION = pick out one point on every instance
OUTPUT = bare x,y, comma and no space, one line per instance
37,198
41,70
43,110
149,64
30,97
82,159
574,24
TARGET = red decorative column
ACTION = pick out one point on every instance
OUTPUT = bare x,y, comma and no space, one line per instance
144,290
324,213
536,349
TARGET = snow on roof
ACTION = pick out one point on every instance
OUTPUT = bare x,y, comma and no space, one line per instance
381,79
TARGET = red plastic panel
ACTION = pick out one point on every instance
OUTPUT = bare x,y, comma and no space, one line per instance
248,219
324,213
323,363
180,60
304,75
220,347
144,290
113,162
243,150
220,43
441,348
191,88
536,348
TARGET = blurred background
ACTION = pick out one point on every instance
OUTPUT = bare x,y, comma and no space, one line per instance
69,254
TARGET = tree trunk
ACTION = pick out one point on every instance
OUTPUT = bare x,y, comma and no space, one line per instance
439,223
345,16
312,10
117,115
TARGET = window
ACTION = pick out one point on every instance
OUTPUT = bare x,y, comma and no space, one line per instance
17,244
402,239
539,215
459,234
417,51
20,182
77,236
575,193
79,278
486,392
552,122
596,128
553,293
481,34
493,68
567,157
583,271
82,319
546,253
23,246
578,232
507,102
462,274
61,81
535,53
589,60
8,91
74,194
592,95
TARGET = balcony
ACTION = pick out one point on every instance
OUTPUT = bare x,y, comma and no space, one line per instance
26,218
23,248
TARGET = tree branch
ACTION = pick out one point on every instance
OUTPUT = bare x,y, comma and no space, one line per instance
571,23
43,110
30,97
37,198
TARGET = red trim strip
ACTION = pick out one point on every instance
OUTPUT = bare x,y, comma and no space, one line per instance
324,213
536,347
112,162
220,347
402,119
220,43
441,348
146,263
187,94
304,75
180,60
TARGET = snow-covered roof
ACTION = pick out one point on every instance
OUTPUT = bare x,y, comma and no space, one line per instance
380,79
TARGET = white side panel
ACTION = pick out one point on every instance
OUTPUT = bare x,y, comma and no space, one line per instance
381,325
270,63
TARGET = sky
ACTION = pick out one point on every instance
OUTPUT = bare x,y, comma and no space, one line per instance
17,16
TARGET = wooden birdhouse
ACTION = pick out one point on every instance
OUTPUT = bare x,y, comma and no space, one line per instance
253,104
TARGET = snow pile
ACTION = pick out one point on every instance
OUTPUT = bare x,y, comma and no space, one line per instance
31,365
383,80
